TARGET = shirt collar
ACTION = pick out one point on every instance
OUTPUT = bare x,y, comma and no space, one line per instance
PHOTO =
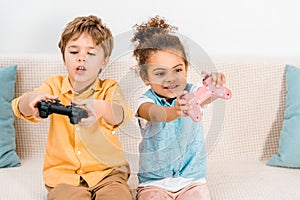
162,100
67,87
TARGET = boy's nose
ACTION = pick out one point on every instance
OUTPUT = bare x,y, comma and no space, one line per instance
82,57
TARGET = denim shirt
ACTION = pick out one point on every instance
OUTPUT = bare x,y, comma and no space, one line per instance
171,149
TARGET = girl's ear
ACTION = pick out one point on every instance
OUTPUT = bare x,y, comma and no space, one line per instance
145,78
146,82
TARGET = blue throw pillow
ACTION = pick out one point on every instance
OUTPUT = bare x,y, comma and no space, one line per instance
289,149
8,155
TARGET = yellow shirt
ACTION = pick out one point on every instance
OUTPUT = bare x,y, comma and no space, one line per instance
73,151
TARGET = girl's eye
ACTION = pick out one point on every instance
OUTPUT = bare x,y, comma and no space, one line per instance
73,52
160,74
178,70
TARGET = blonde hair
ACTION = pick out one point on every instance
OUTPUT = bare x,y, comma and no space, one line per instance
91,25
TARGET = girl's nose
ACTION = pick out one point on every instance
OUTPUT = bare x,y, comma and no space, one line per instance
170,77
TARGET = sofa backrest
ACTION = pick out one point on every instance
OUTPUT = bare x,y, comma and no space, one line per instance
245,127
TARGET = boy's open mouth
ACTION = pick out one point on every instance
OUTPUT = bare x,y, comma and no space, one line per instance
81,68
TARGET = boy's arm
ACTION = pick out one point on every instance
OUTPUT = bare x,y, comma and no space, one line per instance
24,106
111,112
27,102
113,109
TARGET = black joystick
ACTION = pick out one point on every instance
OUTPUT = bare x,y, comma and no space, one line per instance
74,113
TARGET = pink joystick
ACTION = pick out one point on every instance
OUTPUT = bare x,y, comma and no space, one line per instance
205,92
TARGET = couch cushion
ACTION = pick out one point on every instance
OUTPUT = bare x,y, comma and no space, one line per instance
8,156
24,182
248,179
289,150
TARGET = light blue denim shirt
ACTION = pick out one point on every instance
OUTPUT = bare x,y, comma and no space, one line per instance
172,149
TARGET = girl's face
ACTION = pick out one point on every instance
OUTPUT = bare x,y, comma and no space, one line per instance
166,74
83,60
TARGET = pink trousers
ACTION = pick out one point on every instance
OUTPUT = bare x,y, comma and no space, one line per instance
196,191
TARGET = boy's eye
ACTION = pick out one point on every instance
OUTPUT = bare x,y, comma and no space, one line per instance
178,70
91,54
73,52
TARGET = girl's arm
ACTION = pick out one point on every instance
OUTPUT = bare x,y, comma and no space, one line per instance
156,113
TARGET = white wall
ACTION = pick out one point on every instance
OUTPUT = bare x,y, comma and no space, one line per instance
253,28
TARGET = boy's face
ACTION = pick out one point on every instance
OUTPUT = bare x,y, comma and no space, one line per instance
166,74
83,60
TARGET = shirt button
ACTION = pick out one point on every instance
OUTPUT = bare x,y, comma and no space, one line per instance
79,153
78,128
113,132
79,171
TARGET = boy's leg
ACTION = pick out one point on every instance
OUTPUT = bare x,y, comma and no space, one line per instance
153,193
112,187
65,191
196,191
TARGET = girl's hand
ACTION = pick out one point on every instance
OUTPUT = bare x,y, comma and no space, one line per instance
182,106
218,78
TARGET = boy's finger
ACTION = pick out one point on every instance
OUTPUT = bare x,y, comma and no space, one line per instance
80,102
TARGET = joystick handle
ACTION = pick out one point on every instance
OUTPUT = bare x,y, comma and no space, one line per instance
74,113
202,94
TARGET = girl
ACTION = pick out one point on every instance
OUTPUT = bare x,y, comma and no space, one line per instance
172,152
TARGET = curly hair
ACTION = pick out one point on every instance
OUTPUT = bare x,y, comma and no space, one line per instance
91,25
153,36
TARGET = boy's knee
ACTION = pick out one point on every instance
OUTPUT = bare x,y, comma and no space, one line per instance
114,191
66,191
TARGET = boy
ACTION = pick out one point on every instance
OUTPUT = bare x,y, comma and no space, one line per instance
84,160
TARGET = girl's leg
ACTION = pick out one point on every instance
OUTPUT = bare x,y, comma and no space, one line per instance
196,191
153,193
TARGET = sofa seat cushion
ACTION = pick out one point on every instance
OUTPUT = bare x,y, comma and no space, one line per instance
26,179
230,180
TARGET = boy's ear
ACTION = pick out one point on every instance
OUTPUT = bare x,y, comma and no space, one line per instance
105,62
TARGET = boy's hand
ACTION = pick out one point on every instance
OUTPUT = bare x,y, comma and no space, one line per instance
28,102
218,78
89,105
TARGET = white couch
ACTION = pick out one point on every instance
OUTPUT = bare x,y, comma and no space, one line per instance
241,133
